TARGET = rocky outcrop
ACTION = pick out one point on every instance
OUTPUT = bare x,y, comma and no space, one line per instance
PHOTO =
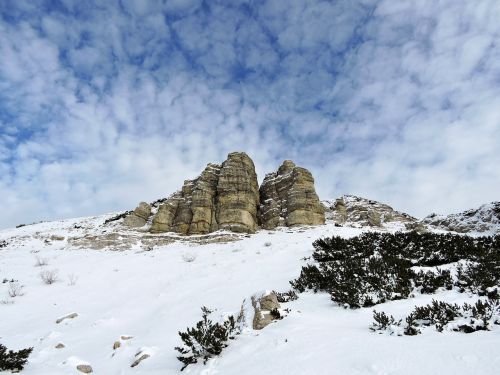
265,310
223,197
365,212
485,219
227,196
288,198
138,217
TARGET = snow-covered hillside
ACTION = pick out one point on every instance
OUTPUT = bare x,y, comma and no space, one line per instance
142,293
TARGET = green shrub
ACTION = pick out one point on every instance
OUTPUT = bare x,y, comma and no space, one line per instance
206,339
14,361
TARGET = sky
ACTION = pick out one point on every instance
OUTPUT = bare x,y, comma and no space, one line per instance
104,104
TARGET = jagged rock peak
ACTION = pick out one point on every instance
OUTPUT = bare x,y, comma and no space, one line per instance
288,198
223,197
365,212
485,219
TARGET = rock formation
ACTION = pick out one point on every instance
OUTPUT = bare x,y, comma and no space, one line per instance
288,198
485,219
365,212
227,196
264,310
138,217
223,197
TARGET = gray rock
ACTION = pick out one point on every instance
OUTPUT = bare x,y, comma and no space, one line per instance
86,369
138,217
141,357
365,212
262,310
69,316
486,218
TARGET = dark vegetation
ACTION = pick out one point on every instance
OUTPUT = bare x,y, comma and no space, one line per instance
466,318
13,361
122,215
284,297
207,339
377,267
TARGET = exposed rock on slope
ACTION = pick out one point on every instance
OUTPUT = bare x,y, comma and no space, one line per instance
366,212
227,196
139,216
223,197
288,198
485,219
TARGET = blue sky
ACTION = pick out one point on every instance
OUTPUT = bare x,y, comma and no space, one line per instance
105,104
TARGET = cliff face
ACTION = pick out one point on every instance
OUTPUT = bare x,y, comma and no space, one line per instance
227,196
288,198
223,197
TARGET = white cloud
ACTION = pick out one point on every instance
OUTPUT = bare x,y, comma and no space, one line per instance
393,101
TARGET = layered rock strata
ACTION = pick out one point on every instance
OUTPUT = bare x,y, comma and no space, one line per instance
223,197
288,198
138,217
227,196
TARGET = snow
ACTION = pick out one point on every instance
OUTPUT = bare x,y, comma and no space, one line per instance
151,295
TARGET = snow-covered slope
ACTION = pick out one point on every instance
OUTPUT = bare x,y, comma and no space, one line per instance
154,287
484,220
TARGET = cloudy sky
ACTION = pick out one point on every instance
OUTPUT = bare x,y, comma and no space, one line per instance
107,104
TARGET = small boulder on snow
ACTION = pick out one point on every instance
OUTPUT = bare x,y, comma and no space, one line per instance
140,357
86,369
263,308
69,316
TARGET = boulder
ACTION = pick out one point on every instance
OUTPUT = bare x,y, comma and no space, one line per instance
263,310
139,358
288,197
86,369
69,316
138,217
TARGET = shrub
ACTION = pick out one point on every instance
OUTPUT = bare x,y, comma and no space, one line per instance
40,262
376,267
117,217
206,339
14,361
429,281
49,276
466,318
286,296
15,289
384,322
481,274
